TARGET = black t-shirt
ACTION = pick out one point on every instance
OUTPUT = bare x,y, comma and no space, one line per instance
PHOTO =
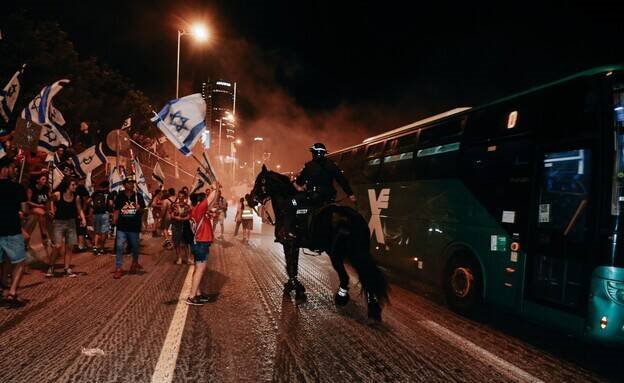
39,196
101,201
130,211
12,195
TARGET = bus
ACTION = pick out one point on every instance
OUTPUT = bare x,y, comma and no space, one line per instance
517,203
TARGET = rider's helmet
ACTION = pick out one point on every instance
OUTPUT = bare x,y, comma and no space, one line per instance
318,150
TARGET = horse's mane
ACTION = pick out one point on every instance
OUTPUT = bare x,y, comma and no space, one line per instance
283,179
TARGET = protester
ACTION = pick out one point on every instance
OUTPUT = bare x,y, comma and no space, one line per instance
247,217
167,201
180,228
13,196
81,227
202,238
38,194
239,215
220,214
66,208
102,203
129,207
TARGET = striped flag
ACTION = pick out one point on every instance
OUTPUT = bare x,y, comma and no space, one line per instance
41,111
89,160
158,175
141,182
182,121
201,179
8,96
115,179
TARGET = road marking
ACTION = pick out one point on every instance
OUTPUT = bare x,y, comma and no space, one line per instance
163,373
506,368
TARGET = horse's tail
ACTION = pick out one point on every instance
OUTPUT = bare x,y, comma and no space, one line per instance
358,253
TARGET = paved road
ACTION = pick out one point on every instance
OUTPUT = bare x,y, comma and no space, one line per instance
250,332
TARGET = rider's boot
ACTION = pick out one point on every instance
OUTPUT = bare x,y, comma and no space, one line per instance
342,297
374,308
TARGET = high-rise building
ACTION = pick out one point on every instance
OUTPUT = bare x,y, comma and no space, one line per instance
220,96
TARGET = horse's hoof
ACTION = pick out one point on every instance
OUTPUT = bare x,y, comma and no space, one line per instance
288,286
300,296
374,312
341,298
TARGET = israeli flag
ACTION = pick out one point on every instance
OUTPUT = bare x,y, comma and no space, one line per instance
41,111
55,177
182,121
201,179
51,137
89,160
126,124
141,183
115,179
158,175
8,96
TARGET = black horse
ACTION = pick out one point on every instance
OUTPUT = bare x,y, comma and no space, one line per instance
340,231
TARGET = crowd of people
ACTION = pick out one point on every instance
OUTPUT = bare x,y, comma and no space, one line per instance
69,220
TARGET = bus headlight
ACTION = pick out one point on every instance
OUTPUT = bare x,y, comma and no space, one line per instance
615,291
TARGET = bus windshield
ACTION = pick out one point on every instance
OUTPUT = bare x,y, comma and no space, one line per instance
617,195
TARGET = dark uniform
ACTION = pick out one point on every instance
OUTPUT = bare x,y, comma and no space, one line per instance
318,176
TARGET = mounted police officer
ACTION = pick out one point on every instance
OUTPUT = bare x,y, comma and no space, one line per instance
318,175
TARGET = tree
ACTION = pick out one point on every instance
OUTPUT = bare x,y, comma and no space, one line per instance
97,93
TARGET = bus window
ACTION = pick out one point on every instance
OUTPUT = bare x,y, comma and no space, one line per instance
397,167
351,164
437,161
504,119
407,141
371,170
442,132
375,149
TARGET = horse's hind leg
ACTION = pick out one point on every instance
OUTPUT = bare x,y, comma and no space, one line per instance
342,295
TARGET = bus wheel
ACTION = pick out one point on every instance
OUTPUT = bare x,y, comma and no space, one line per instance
463,285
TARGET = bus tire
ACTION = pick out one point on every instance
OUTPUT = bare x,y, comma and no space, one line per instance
463,284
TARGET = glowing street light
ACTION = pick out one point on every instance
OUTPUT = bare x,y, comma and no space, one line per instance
200,33
238,141
278,166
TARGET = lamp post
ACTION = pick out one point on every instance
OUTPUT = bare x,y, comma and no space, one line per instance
200,33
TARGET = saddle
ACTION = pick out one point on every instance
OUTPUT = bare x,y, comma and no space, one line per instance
306,210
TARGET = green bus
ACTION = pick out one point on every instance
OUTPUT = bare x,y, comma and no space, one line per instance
517,203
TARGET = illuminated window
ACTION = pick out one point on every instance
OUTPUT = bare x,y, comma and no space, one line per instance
512,119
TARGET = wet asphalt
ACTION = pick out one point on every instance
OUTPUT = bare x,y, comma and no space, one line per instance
251,332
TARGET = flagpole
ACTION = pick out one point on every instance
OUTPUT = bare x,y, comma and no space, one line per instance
159,157
22,169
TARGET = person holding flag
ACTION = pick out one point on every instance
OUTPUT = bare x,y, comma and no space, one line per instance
129,206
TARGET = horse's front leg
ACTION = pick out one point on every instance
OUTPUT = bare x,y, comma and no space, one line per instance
292,269
342,295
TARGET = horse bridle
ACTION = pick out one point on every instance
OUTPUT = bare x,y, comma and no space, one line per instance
263,202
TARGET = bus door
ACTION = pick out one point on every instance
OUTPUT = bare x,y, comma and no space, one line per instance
499,174
561,240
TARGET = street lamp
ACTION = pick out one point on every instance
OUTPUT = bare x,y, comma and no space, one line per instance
253,155
200,33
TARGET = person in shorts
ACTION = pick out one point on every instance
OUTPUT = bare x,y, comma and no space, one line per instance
202,238
102,204
66,209
180,229
13,197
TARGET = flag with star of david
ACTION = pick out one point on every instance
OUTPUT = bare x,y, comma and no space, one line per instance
51,137
41,111
141,183
8,95
182,121
89,160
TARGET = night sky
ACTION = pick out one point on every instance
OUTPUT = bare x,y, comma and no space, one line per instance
371,66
